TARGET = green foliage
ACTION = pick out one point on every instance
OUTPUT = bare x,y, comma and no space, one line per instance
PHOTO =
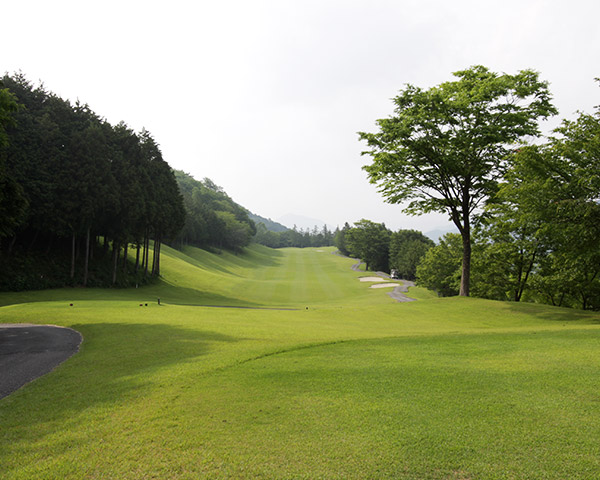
8,106
271,225
439,269
213,219
539,241
68,178
340,240
552,197
445,148
295,237
370,242
407,247
13,205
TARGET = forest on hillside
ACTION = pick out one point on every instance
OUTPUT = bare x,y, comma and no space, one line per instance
213,219
76,193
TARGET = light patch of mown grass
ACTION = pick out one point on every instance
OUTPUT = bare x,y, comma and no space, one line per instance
355,386
420,293
419,407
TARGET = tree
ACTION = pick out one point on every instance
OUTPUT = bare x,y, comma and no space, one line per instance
554,190
508,252
370,242
12,203
439,269
407,247
445,148
68,178
340,239
8,105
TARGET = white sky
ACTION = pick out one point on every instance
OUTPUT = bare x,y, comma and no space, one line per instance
265,96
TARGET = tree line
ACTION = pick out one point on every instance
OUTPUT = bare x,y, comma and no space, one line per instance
295,237
382,249
213,219
77,193
528,215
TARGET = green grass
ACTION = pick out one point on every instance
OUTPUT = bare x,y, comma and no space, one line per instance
322,378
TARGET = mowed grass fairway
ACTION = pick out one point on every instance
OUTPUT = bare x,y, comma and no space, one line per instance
314,375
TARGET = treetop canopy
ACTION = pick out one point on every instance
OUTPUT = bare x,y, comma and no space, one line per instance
453,138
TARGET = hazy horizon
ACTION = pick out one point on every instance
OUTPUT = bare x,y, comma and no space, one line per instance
266,98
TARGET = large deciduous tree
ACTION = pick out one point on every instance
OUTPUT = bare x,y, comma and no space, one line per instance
445,148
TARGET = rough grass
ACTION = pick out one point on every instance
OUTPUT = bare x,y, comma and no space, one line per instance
354,386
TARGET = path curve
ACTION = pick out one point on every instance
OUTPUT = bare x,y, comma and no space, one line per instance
399,293
29,351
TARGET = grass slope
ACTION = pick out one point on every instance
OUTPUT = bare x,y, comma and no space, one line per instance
324,378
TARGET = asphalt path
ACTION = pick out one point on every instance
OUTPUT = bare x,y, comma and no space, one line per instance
29,351
399,293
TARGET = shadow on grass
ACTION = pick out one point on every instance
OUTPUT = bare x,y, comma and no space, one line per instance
250,258
117,362
168,293
176,295
555,314
199,258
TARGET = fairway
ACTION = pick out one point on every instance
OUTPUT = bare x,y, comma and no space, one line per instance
282,364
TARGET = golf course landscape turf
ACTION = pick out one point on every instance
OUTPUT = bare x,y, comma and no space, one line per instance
282,364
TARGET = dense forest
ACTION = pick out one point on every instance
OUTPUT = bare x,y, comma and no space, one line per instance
76,193
213,219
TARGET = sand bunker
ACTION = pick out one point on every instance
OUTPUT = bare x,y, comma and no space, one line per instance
372,279
385,284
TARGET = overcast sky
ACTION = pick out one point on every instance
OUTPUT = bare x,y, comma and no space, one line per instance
265,97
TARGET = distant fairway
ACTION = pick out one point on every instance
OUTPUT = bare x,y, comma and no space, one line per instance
323,377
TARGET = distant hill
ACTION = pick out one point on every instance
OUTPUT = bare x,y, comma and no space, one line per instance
435,235
271,225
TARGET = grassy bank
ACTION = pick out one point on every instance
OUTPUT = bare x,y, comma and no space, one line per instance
322,378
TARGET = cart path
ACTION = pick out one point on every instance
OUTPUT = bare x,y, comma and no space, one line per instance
29,351
399,293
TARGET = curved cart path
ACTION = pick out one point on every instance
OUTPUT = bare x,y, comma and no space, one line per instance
399,293
29,351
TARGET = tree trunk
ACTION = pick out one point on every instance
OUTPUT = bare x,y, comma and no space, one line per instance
522,284
154,252
73,257
11,244
137,257
105,247
158,257
87,258
115,260
146,254
126,247
465,278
